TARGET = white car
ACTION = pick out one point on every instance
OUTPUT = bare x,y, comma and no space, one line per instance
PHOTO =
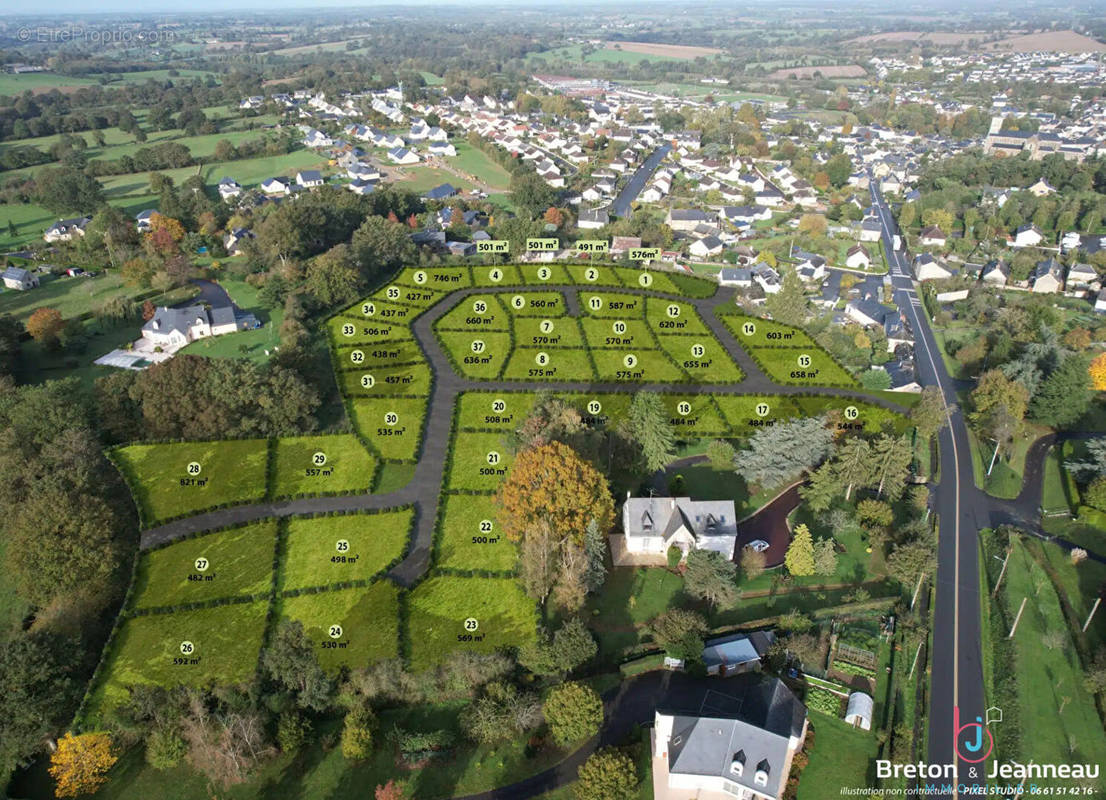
758,545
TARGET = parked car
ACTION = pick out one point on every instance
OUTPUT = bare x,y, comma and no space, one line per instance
757,545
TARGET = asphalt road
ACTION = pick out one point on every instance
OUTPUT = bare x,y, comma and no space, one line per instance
636,185
956,678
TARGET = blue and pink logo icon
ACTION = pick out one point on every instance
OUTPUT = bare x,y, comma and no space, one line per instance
969,740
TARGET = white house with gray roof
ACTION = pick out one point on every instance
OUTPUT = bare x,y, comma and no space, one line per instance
173,328
652,525
738,746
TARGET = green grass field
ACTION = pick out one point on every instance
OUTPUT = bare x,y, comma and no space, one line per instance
164,486
235,563
756,332
470,537
480,355
439,607
1049,680
479,461
702,358
69,296
391,425
319,465
322,551
225,642
368,618
840,756
802,366
475,163
635,366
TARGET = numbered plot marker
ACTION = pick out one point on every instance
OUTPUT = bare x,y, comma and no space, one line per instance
479,307
499,405
594,407
630,361
335,632
420,277
804,360
748,328
391,418
492,457
619,327
591,274
673,311
477,345
471,624
495,275
762,409
595,303
518,302
852,412
187,648
546,326
348,329
368,309
645,279
541,359
544,273
368,381
194,468
202,564
683,408
318,459
357,357
342,545
698,350
392,293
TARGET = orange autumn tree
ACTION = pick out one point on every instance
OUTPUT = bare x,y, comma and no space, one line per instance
1097,371
552,485
45,325
81,763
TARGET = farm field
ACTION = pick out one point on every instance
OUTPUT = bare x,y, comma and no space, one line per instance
70,296
827,71
326,550
221,564
439,607
320,465
154,649
165,481
349,627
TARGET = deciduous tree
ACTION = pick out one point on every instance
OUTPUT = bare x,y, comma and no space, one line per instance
81,763
607,775
574,713
45,325
680,632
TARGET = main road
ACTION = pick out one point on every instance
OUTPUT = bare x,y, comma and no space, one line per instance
956,680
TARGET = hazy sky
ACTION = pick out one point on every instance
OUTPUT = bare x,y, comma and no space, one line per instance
21,7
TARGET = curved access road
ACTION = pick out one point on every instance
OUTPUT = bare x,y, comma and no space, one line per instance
423,490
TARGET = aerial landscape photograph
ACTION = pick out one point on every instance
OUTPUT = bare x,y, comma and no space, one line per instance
514,400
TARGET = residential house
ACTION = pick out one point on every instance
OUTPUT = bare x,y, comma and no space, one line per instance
19,279
857,257
275,186
1027,236
928,268
441,149
933,237
653,525
401,155
593,218
742,747
65,229
1047,277
741,277
229,189
233,240
442,192
1100,302
623,244
870,229
362,187
173,328
744,215
766,277
811,268
995,272
142,220
685,219
309,178
706,247
1041,188
1081,276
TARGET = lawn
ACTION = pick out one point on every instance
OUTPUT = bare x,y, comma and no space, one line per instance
256,344
439,609
368,619
548,332
1049,681
840,756
672,316
1080,584
405,379
534,304
702,358
322,551
636,366
386,354
611,304
756,332
391,425
479,166
537,274
29,81
225,642
479,355
231,563
320,465
799,366
479,461
363,331
1059,492
470,537
477,312
422,179
694,415
70,296
550,364
166,484
628,332
30,221
500,275
503,410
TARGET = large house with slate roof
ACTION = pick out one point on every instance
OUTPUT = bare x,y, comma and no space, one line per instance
654,524
173,328
737,745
